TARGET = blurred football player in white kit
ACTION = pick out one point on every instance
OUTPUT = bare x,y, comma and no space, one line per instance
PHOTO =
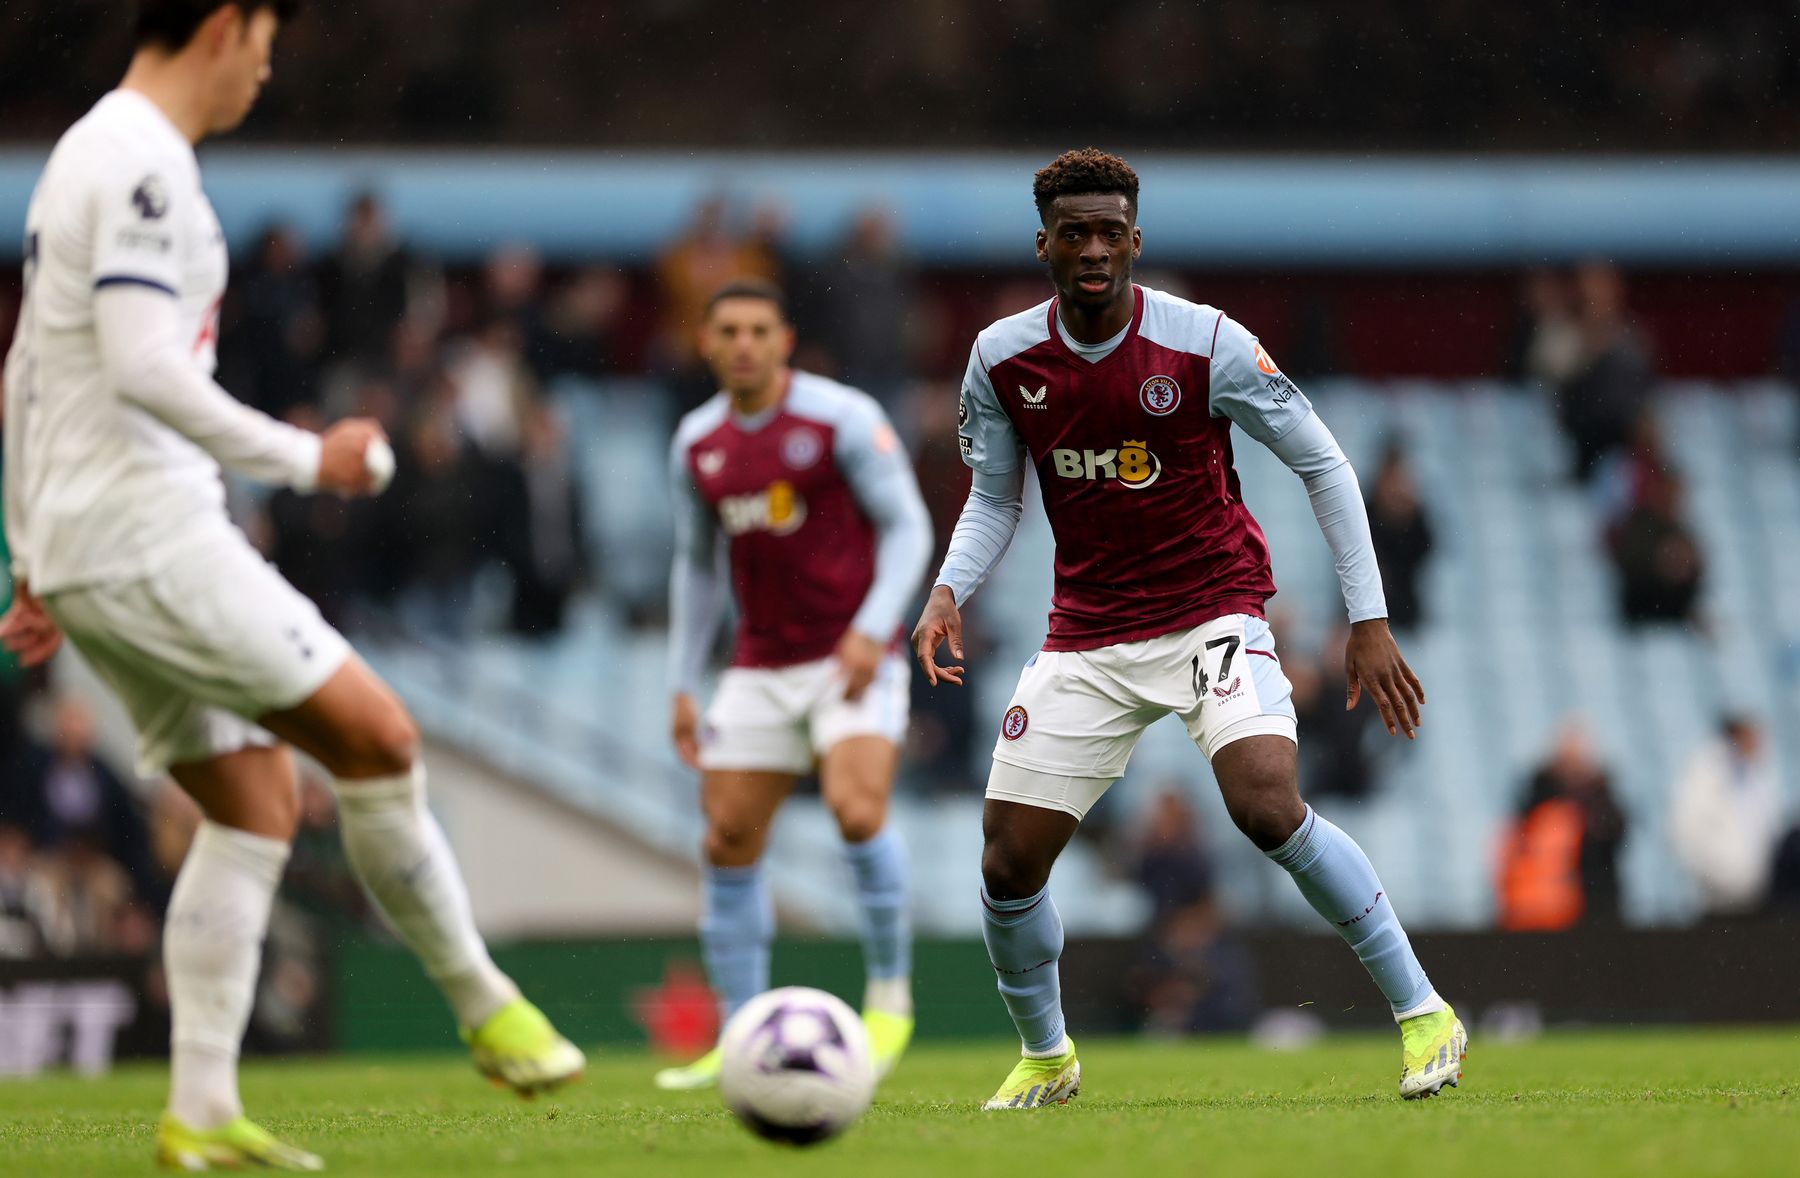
115,513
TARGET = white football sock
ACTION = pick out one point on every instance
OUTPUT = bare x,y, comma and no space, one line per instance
212,950
400,853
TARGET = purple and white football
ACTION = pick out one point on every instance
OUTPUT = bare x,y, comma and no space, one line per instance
795,1066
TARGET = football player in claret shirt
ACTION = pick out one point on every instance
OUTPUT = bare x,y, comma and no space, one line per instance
795,489
1123,398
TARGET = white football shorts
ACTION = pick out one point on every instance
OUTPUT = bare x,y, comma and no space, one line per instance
782,719
1076,715
200,649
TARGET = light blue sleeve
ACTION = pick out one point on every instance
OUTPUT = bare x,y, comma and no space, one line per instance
697,581
1311,452
874,463
983,532
1249,389
989,443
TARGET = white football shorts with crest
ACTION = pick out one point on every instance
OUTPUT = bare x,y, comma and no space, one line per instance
1076,715
200,649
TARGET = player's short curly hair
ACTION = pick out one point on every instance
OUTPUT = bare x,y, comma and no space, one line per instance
1082,171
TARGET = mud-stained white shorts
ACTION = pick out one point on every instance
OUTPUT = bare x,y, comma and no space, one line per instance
200,649
782,719
1076,716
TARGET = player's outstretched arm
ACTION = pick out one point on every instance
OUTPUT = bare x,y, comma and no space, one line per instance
1373,663
1248,388
875,465
983,533
696,602
940,623
147,362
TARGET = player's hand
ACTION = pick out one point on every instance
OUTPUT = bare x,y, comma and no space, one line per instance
28,630
1373,661
941,622
860,656
684,729
343,462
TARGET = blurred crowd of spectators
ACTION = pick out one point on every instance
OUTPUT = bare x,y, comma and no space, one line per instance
78,873
1235,74
1731,830
88,855
1579,343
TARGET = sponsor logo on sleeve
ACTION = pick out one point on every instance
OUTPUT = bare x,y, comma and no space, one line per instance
1264,362
151,198
886,441
1281,389
1160,396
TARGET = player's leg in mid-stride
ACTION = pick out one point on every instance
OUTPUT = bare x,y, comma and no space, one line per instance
856,776
1258,779
212,952
1024,936
361,733
784,721
737,918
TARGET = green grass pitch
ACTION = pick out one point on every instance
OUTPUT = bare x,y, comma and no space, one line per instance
1627,1103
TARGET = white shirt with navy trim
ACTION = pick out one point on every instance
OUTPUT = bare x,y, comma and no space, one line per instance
98,489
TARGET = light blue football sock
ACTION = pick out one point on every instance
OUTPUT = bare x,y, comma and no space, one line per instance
1338,880
1025,942
881,891
736,931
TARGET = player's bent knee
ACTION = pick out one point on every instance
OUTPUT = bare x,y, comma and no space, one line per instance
1010,875
1266,811
733,844
860,820
385,745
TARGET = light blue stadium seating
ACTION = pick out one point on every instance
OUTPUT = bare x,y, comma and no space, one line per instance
1522,635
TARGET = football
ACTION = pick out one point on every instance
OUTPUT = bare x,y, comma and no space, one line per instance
795,1066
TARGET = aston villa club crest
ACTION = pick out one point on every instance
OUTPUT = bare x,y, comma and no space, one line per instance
801,448
1013,726
1160,396
710,462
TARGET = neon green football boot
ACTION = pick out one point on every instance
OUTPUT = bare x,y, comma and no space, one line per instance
1433,1047
702,1073
889,1035
236,1145
1035,1083
517,1048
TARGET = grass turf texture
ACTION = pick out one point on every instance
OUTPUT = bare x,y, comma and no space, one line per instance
1626,1103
